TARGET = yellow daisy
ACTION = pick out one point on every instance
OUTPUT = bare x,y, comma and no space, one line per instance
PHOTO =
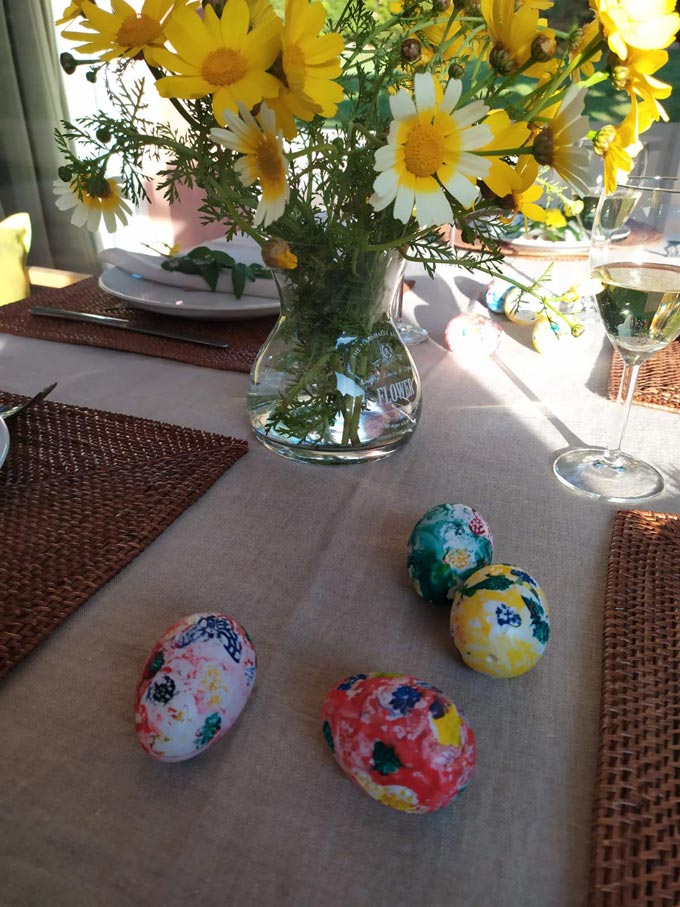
123,32
512,32
260,11
553,217
306,67
429,147
636,76
619,145
222,57
72,11
556,144
91,201
525,196
587,68
645,24
502,177
263,159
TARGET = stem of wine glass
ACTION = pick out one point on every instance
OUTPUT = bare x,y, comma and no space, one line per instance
624,400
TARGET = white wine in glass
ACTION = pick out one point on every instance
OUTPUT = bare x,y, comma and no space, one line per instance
639,304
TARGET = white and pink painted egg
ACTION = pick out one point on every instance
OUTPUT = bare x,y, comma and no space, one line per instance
196,682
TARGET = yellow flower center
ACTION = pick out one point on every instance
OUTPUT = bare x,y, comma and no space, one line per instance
269,160
224,66
102,195
424,149
136,31
295,67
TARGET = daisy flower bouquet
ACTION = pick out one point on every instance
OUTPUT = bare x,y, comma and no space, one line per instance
341,137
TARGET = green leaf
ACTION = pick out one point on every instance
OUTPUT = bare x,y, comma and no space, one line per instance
495,583
238,279
210,272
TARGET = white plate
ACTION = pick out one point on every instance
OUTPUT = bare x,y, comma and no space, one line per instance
4,441
165,300
564,245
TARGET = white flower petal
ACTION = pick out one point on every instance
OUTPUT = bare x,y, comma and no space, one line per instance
385,157
462,189
473,165
386,182
476,137
424,89
110,221
79,218
379,203
93,218
469,114
432,209
403,206
402,106
451,96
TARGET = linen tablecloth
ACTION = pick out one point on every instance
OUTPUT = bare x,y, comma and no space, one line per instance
313,561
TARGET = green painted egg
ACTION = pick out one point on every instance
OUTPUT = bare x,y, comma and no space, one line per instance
447,544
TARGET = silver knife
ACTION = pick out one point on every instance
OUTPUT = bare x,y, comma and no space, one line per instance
122,323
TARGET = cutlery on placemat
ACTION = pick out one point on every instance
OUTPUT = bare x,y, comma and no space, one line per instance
6,412
122,324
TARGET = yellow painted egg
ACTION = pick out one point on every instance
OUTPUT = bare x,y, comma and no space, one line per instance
500,621
552,337
521,309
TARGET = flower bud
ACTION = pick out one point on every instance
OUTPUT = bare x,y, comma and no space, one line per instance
91,75
575,37
543,147
103,135
468,234
411,50
276,253
440,6
502,60
65,173
572,207
68,63
456,71
619,75
543,48
603,140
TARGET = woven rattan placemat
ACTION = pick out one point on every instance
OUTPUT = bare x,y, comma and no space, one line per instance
82,492
658,382
636,824
245,337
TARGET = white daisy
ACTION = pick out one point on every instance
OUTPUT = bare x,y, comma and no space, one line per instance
556,144
429,146
92,200
263,159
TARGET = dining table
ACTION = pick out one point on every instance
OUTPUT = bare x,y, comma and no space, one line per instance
312,561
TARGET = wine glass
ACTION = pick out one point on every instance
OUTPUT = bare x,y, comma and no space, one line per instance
639,305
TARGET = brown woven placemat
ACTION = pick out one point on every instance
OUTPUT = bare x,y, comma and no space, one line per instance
636,823
245,337
82,492
658,382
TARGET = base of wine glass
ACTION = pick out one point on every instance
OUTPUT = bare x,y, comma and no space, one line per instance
411,333
586,472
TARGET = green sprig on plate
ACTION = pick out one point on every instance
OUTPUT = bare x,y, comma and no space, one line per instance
208,263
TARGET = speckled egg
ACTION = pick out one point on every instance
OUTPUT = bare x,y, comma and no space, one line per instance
196,681
500,621
448,543
472,334
400,739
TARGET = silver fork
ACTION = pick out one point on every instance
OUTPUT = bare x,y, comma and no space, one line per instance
7,412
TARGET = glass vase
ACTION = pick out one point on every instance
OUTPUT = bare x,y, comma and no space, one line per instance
334,382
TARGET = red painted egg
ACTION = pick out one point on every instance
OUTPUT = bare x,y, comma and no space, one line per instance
400,739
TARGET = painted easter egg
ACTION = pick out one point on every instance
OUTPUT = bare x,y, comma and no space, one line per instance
553,337
196,681
500,621
447,544
521,309
400,739
472,334
495,293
